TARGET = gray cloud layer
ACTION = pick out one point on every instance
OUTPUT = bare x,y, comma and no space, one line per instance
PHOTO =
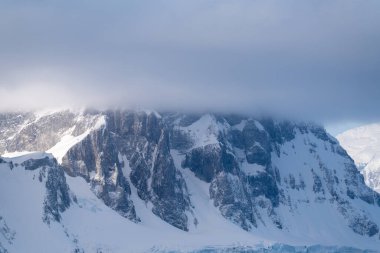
317,59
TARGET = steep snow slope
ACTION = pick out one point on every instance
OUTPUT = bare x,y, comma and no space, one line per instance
30,204
88,225
363,145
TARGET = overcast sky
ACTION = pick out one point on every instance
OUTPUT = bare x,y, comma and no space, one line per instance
314,59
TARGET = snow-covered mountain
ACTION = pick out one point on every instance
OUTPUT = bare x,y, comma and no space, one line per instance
139,181
363,145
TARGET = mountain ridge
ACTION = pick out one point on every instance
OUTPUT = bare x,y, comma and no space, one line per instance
263,176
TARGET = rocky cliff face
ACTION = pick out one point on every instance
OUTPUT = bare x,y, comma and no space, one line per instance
132,148
260,173
259,169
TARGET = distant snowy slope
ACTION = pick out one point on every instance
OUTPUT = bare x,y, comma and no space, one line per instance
53,131
363,145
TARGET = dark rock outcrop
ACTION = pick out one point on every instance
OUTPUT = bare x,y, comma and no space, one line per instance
143,141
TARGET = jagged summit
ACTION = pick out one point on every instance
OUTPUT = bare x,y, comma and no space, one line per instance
194,174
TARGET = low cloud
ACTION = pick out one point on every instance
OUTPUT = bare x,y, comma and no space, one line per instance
312,59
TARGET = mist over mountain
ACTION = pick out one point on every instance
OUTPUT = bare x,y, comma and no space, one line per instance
315,60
